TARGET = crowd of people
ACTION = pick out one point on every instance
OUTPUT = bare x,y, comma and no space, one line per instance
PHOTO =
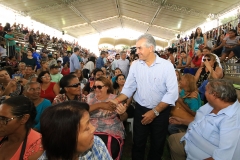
53,106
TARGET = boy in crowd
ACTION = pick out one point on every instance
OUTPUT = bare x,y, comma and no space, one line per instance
54,73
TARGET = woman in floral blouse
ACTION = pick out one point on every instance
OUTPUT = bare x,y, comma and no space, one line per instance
102,119
71,90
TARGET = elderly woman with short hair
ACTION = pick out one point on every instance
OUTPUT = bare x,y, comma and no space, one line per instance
32,90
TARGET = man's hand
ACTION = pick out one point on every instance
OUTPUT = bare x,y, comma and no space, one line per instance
109,106
148,117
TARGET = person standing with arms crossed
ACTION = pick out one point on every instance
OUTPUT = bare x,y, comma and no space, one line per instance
74,61
155,83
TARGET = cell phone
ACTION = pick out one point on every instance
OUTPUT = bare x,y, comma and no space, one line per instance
17,76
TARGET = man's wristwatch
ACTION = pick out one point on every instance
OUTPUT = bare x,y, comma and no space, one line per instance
155,112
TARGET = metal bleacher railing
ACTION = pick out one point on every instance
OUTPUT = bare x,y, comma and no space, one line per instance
232,70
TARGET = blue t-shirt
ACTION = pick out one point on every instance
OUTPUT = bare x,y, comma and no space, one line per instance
193,103
38,58
79,58
114,79
40,108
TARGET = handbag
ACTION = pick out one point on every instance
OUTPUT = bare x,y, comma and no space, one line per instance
113,143
180,111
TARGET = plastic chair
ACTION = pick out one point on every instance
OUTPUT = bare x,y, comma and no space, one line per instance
130,120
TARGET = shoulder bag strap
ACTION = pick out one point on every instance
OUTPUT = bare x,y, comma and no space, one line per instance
24,146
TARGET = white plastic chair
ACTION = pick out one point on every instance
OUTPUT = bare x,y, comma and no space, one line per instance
130,120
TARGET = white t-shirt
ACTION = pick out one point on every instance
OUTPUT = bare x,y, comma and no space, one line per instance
217,59
3,52
89,65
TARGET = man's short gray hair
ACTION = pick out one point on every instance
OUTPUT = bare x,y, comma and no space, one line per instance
150,41
122,52
223,89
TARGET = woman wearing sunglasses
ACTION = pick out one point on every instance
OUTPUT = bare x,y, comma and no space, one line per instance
210,69
102,119
17,140
70,90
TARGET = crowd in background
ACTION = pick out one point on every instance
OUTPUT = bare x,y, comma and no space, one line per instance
51,98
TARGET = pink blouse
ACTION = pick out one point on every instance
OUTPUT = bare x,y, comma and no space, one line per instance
34,144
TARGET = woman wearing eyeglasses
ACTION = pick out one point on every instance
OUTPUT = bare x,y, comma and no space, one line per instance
102,119
210,69
17,140
49,89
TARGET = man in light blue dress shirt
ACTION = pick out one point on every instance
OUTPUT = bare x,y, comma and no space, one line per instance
74,61
100,62
215,131
155,83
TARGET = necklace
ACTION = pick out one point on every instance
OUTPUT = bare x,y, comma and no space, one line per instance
101,100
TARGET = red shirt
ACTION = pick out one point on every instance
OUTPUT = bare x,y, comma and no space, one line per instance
190,53
48,93
65,71
197,62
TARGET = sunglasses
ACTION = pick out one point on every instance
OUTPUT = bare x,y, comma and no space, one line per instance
99,87
74,85
208,59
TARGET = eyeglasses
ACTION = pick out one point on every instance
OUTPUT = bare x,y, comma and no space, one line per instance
34,89
98,87
46,76
4,120
74,85
208,59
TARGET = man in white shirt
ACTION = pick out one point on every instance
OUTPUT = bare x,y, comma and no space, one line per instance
117,57
123,63
207,50
2,51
